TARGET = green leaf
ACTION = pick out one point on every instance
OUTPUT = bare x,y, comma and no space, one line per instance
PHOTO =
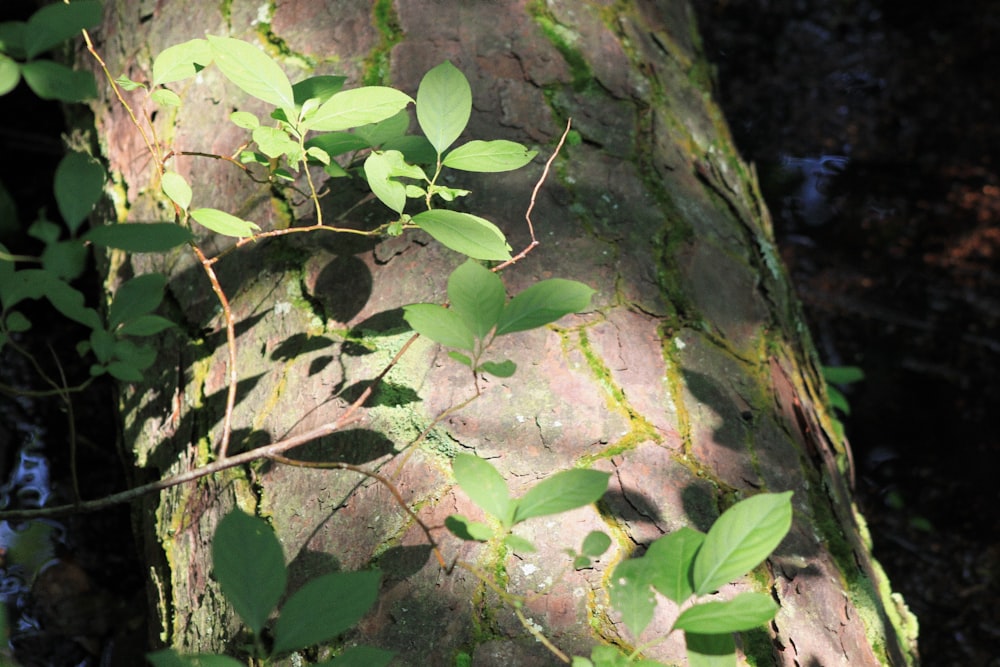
741,538
53,81
16,322
139,237
489,156
12,38
500,369
561,492
465,233
710,650
102,344
466,529
337,143
128,84
145,325
381,170
670,558
139,357
244,119
274,143
631,594
124,371
520,544
250,567
542,303
439,324
324,608
842,374
460,358
166,98
746,611
223,223
10,74
477,295
79,184
38,283
391,128
65,259
359,106
252,71
57,22
416,149
484,485
181,61
444,104
169,658
595,543
360,656
138,296
321,87
8,213
176,187
838,400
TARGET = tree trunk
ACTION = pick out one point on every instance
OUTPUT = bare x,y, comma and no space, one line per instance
693,378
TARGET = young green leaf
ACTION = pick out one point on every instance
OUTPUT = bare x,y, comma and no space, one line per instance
57,22
842,374
79,184
393,127
223,223
444,104
337,143
244,119
250,567
175,187
165,98
714,650
741,538
274,143
561,492
461,358
145,325
360,656
465,233
631,594
484,485
54,81
595,543
181,61
358,106
135,297
671,557
381,170
519,544
489,156
321,87
439,324
139,237
500,369
542,303
323,608
252,71
477,295
746,611
10,74
465,529
128,84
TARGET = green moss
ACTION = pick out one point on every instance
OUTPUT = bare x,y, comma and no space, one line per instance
376,63
565,40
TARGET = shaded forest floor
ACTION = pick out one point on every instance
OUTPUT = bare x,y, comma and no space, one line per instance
874,128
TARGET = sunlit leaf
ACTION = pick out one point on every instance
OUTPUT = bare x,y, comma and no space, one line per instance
223,223
464,529
746,611
520,544
10,74
561,492
166,98
477,295
489,156
244,119
252,71
359,106
176,187
595,543
631,595
542,303
439,324
500,369
320,87
381,170
741,538
249,565
483,484
670,558
444,104
181,61
465,233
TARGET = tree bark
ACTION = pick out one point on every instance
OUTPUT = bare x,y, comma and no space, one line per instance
692,380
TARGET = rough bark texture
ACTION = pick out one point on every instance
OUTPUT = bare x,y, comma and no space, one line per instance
691,380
